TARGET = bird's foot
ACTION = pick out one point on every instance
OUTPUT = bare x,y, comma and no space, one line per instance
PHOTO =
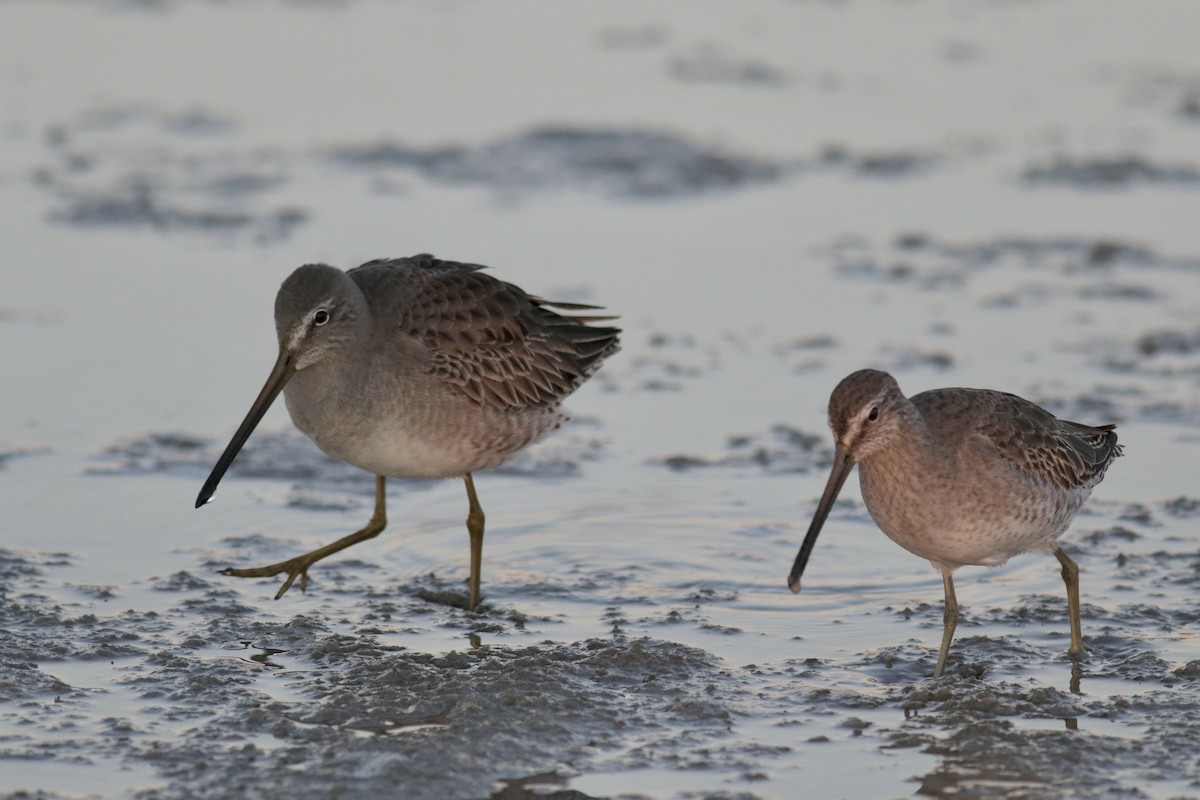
1079,653
294,567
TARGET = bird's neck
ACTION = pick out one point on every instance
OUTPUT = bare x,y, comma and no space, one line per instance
910,454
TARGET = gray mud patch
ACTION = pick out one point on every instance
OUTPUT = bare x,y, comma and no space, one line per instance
1013,737
136,167
997,737
285,455
664,362
617,162
11,453
1171,92
440,726
1113,172
710,63
781,449
896,163
217,703
930,263
627,163
1008,740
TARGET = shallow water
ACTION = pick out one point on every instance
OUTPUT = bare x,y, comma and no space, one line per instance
771,194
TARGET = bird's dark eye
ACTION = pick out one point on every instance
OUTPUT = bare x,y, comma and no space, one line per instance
874,415
321,317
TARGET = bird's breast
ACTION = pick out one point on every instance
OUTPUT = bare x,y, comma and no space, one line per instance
955,517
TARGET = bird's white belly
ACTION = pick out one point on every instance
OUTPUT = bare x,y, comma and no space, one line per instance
400,454
433,442
955,545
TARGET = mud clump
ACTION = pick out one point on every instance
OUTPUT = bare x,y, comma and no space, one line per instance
618,162
1110,173
783,448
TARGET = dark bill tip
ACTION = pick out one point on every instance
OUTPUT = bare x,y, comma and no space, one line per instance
281,373
842,464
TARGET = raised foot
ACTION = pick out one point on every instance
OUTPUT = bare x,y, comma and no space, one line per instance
294,567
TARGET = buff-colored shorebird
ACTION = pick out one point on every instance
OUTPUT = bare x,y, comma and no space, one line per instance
962,477
418,368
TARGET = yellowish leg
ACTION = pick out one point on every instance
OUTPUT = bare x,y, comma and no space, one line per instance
949,623
298,567
1070,575
475,529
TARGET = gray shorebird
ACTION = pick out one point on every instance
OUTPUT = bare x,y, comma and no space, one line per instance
418,368
961,477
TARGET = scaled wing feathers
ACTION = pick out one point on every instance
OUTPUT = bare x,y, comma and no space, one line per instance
504,348
1071,455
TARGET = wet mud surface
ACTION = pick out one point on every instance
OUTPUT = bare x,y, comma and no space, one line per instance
218,703
771,197
215,696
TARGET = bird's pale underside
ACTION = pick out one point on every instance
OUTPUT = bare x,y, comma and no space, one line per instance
419,368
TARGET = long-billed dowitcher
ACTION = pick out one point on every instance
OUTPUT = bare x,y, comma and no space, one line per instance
418,368
962,476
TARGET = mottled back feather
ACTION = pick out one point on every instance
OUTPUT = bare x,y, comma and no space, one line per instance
502,347
1067,454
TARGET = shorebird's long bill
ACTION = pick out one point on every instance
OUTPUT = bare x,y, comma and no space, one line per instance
842,464
281,373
